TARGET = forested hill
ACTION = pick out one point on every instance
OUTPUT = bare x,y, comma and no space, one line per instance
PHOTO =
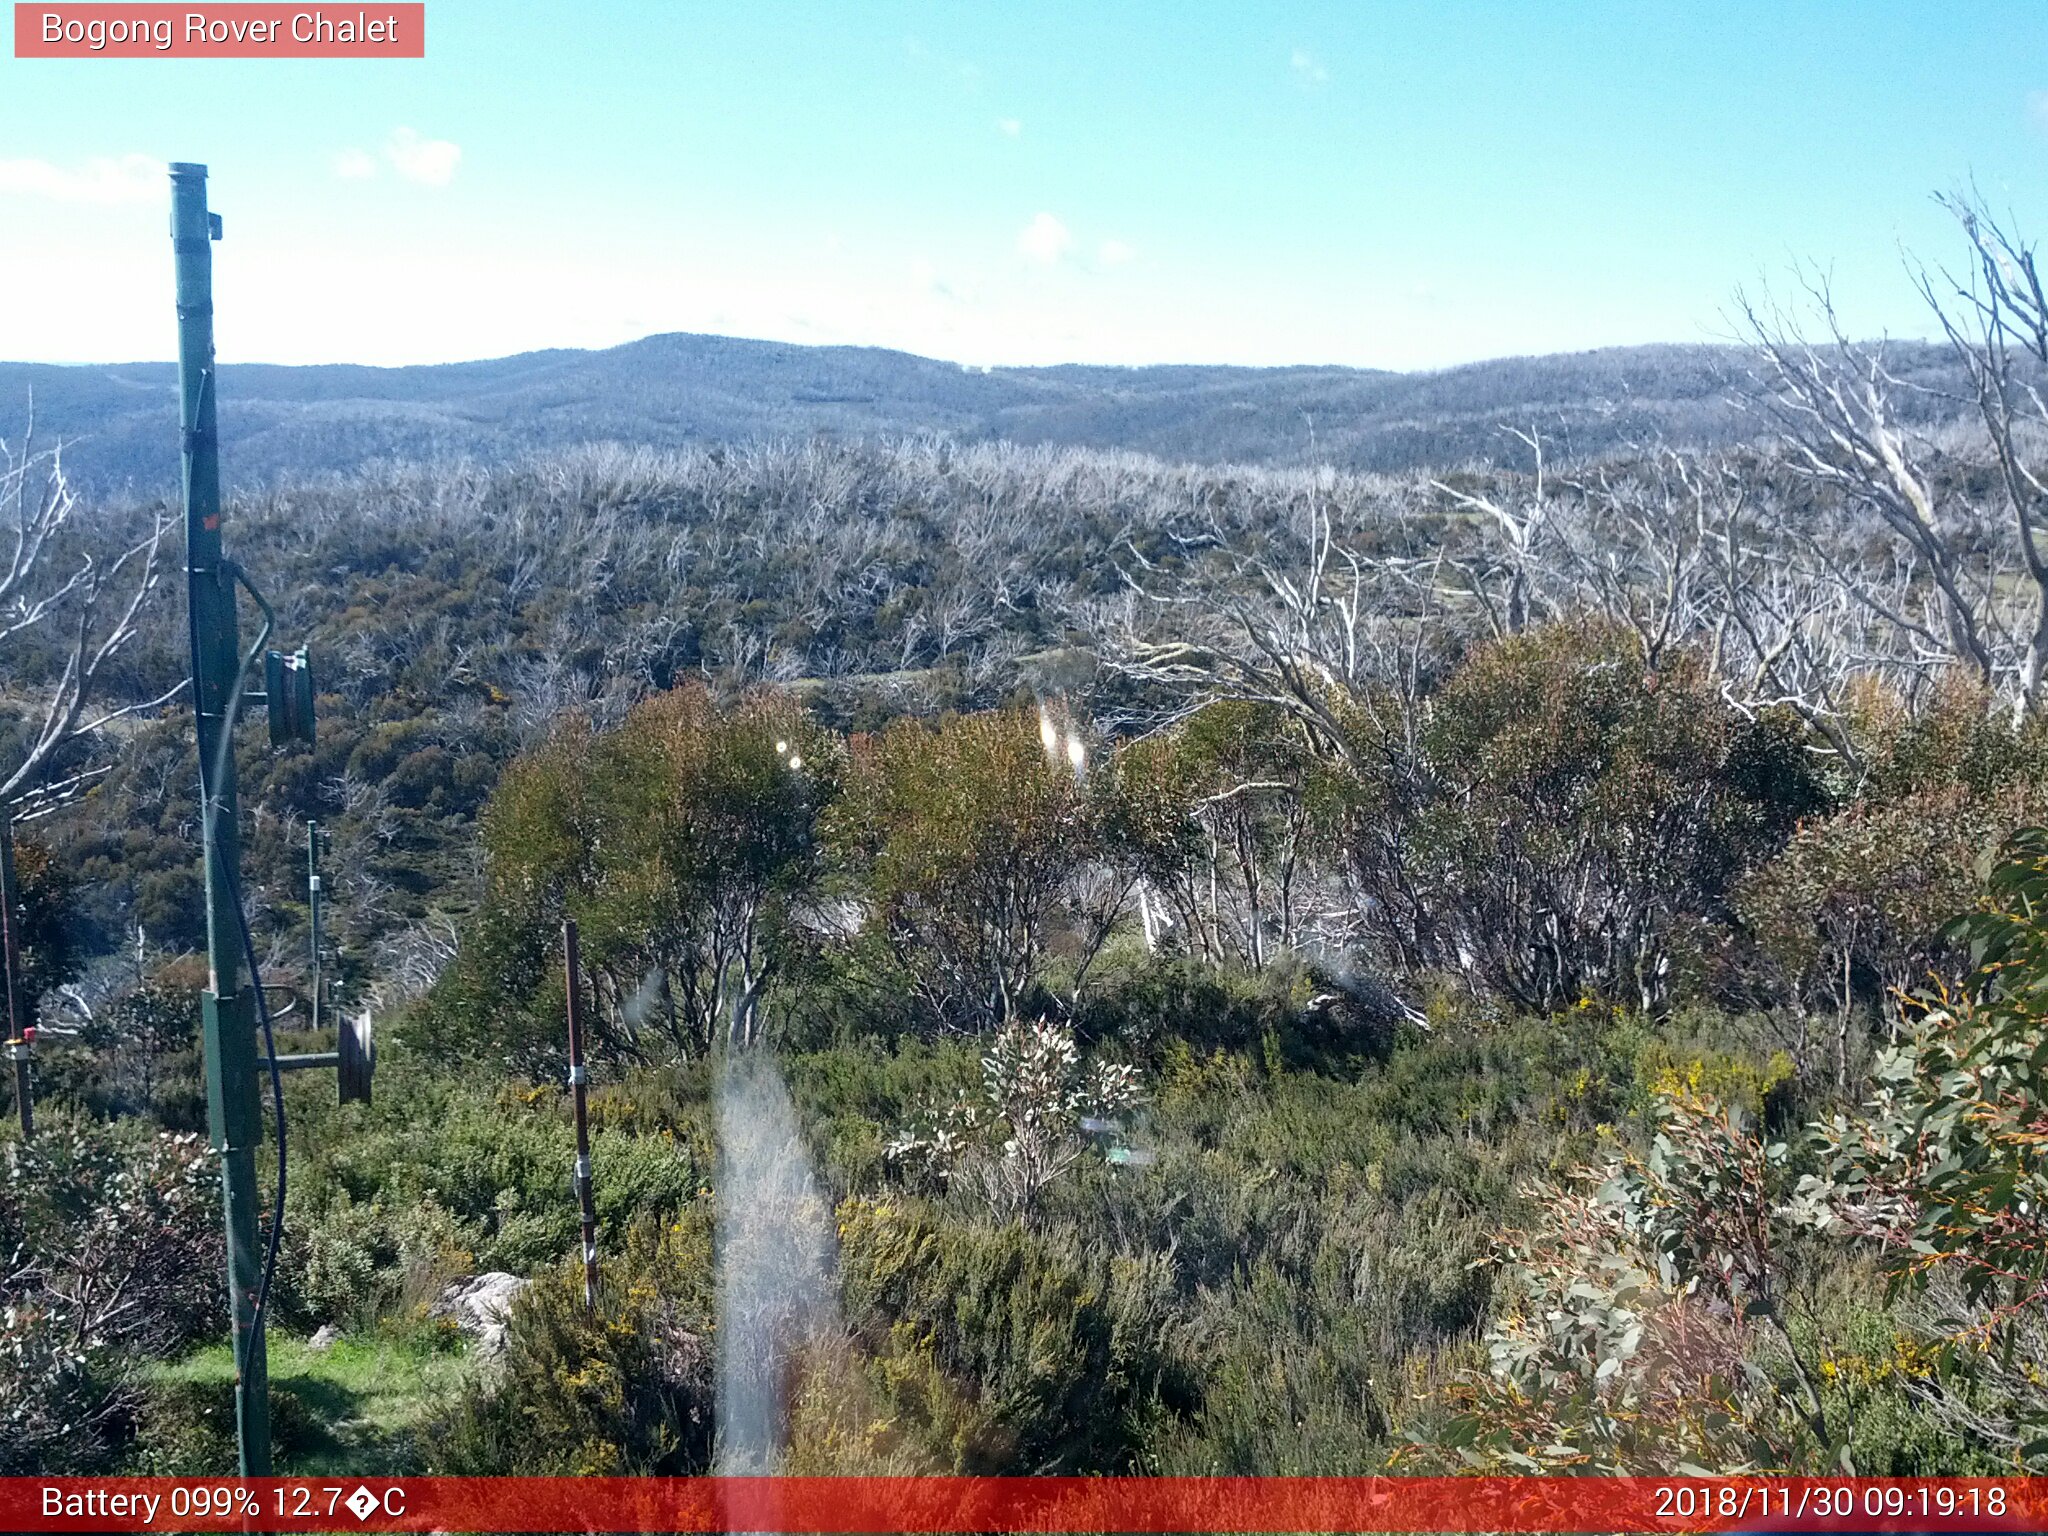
675,390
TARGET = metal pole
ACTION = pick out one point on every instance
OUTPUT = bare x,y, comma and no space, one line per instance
313,902
10,956
227,1007
579,1080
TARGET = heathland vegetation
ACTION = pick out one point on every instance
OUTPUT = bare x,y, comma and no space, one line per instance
1276,969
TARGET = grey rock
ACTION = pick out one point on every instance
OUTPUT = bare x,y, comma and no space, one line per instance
479,1307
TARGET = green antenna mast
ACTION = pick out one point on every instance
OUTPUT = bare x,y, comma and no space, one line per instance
228,1006
233,1003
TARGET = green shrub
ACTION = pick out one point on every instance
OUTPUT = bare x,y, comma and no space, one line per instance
452,1174
1850,914
1229,808
853,1098
626,1389
1939,1172
1019,1130
1959,738
186,1428
965,841
62,1405
1644,1329
139,1055
1052,1354
495,1157
679,842
358,1261
1154,1004
114,1254
1557,823
1285,1379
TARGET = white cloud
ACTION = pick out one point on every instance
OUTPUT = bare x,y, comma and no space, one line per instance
1045,239
2037,110
430,162
1308,69
1010,127
1114,253
355,165
105,180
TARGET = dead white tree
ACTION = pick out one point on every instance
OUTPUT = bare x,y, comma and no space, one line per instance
1996,321
53,581
1313,616
1516,534
1842,418
1784,634
1625,539
1635,550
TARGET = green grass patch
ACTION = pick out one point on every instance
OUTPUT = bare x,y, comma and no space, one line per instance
355,1407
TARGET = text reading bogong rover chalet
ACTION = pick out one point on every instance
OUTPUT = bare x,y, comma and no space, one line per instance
241,31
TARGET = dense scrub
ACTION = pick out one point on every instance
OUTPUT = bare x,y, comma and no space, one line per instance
1308,1272
1279,970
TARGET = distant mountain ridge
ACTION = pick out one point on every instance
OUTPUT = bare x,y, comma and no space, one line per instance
680,389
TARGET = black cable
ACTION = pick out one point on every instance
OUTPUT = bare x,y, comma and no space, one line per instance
233,879
211,809
276,1099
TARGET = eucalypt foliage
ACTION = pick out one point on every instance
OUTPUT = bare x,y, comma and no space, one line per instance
1643,1327
1942,1169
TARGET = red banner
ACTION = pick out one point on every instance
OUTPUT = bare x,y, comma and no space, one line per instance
802,1506
265,31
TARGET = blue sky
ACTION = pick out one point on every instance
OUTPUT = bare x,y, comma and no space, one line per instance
1377,184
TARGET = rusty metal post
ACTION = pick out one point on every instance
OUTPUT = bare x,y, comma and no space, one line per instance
579,1079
